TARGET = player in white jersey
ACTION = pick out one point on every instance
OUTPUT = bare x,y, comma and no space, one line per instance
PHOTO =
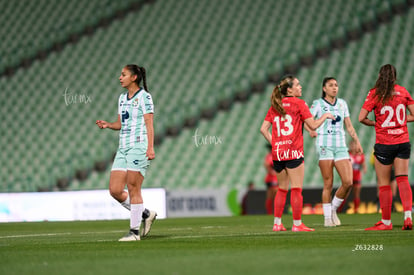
136,149
332,148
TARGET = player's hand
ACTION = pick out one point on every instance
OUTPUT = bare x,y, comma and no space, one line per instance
150,153
359,148
313,134
330,116
102,124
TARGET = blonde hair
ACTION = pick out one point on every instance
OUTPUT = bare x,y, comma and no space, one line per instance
279,92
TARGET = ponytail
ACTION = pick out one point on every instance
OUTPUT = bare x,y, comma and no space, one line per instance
276,100
279,92
144,78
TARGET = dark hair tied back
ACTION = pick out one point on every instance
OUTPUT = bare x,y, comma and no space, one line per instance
139,72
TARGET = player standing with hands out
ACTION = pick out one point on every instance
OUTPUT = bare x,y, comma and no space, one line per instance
332,149
389,102
136,149
286,117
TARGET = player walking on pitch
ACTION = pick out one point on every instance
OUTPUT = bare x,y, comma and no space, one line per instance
332,149
136,149
389,102
286,117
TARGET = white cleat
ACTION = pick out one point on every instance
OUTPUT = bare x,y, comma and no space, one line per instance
130,237
329,223
147,223
335,219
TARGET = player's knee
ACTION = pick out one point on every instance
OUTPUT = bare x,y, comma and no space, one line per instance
116,193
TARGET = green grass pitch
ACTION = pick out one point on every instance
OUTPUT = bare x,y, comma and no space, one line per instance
219,245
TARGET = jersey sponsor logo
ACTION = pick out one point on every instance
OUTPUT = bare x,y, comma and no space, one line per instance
288,154
283,142
337,119
395,132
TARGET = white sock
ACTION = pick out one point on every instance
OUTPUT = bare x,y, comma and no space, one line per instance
278,221
297,222
126,203
327,210
336,202
136,215
407,214
386,222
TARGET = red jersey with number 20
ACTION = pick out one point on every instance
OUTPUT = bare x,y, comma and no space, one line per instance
287,132
390,119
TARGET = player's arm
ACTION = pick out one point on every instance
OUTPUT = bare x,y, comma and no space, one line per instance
114,125
410,117
314,124
363,118
312,133
149,124
364,166
265,130
351,131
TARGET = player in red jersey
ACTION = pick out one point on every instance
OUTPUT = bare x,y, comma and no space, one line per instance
270,181
389,103
358,166
286,117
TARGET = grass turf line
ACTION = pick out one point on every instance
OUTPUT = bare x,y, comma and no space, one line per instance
219,245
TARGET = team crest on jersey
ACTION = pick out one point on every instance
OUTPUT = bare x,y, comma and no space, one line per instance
135,102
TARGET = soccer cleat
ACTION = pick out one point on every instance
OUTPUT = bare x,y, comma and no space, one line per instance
301,228
130,237
147,223
408,224
379,226
335,218
329,223
279,227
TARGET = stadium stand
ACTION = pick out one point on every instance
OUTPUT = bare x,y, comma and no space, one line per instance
202,57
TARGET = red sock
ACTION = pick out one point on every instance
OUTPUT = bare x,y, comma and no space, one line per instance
280,200
339,210
296,200
269,206
385,198
356,204
406,194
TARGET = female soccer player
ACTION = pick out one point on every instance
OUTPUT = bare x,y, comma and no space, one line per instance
286,116
389,102
136,148
358,166
332,149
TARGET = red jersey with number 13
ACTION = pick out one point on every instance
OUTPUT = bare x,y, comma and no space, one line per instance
391,118
287,131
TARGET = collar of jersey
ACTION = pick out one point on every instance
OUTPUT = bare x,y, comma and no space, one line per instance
336,100
137,92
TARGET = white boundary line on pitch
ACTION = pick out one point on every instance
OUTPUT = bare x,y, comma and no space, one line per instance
123,231
58,234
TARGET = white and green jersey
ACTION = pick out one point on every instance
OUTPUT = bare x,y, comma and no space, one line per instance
131,111
331,132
